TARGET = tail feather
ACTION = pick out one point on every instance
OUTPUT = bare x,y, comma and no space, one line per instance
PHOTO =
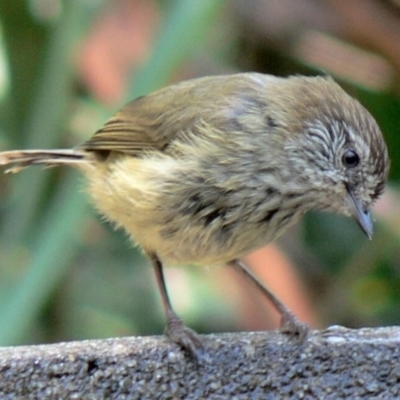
20,159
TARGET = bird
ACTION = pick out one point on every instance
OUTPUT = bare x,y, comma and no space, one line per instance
205,171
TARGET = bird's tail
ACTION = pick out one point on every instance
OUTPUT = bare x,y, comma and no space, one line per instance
20,159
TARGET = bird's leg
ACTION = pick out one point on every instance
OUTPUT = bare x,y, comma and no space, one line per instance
176,330
289,322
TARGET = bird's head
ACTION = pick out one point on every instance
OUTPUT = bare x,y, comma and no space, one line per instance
340,152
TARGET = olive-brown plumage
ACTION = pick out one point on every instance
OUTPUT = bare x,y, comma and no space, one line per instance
208,170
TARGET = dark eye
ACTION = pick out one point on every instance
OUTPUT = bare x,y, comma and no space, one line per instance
350,159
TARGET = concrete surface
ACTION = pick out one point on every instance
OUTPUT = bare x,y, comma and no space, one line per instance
333,364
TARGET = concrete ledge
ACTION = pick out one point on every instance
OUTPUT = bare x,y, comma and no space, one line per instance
332,364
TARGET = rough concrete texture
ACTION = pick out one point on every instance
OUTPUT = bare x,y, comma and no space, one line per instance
333,364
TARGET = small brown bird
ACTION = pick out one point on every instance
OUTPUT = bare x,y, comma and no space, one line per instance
208,170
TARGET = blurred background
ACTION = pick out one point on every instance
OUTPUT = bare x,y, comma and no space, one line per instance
67,66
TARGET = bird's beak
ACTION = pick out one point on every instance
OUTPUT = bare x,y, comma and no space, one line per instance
360,214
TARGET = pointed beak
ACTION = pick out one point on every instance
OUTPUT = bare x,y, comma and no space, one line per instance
362,216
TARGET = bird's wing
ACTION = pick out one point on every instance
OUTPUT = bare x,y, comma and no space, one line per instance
154,121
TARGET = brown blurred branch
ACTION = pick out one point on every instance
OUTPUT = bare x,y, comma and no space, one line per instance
371,24
361,36
336,363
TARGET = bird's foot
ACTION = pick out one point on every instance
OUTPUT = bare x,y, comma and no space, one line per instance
185,337
292,326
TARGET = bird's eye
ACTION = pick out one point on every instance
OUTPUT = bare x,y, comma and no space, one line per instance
351,159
